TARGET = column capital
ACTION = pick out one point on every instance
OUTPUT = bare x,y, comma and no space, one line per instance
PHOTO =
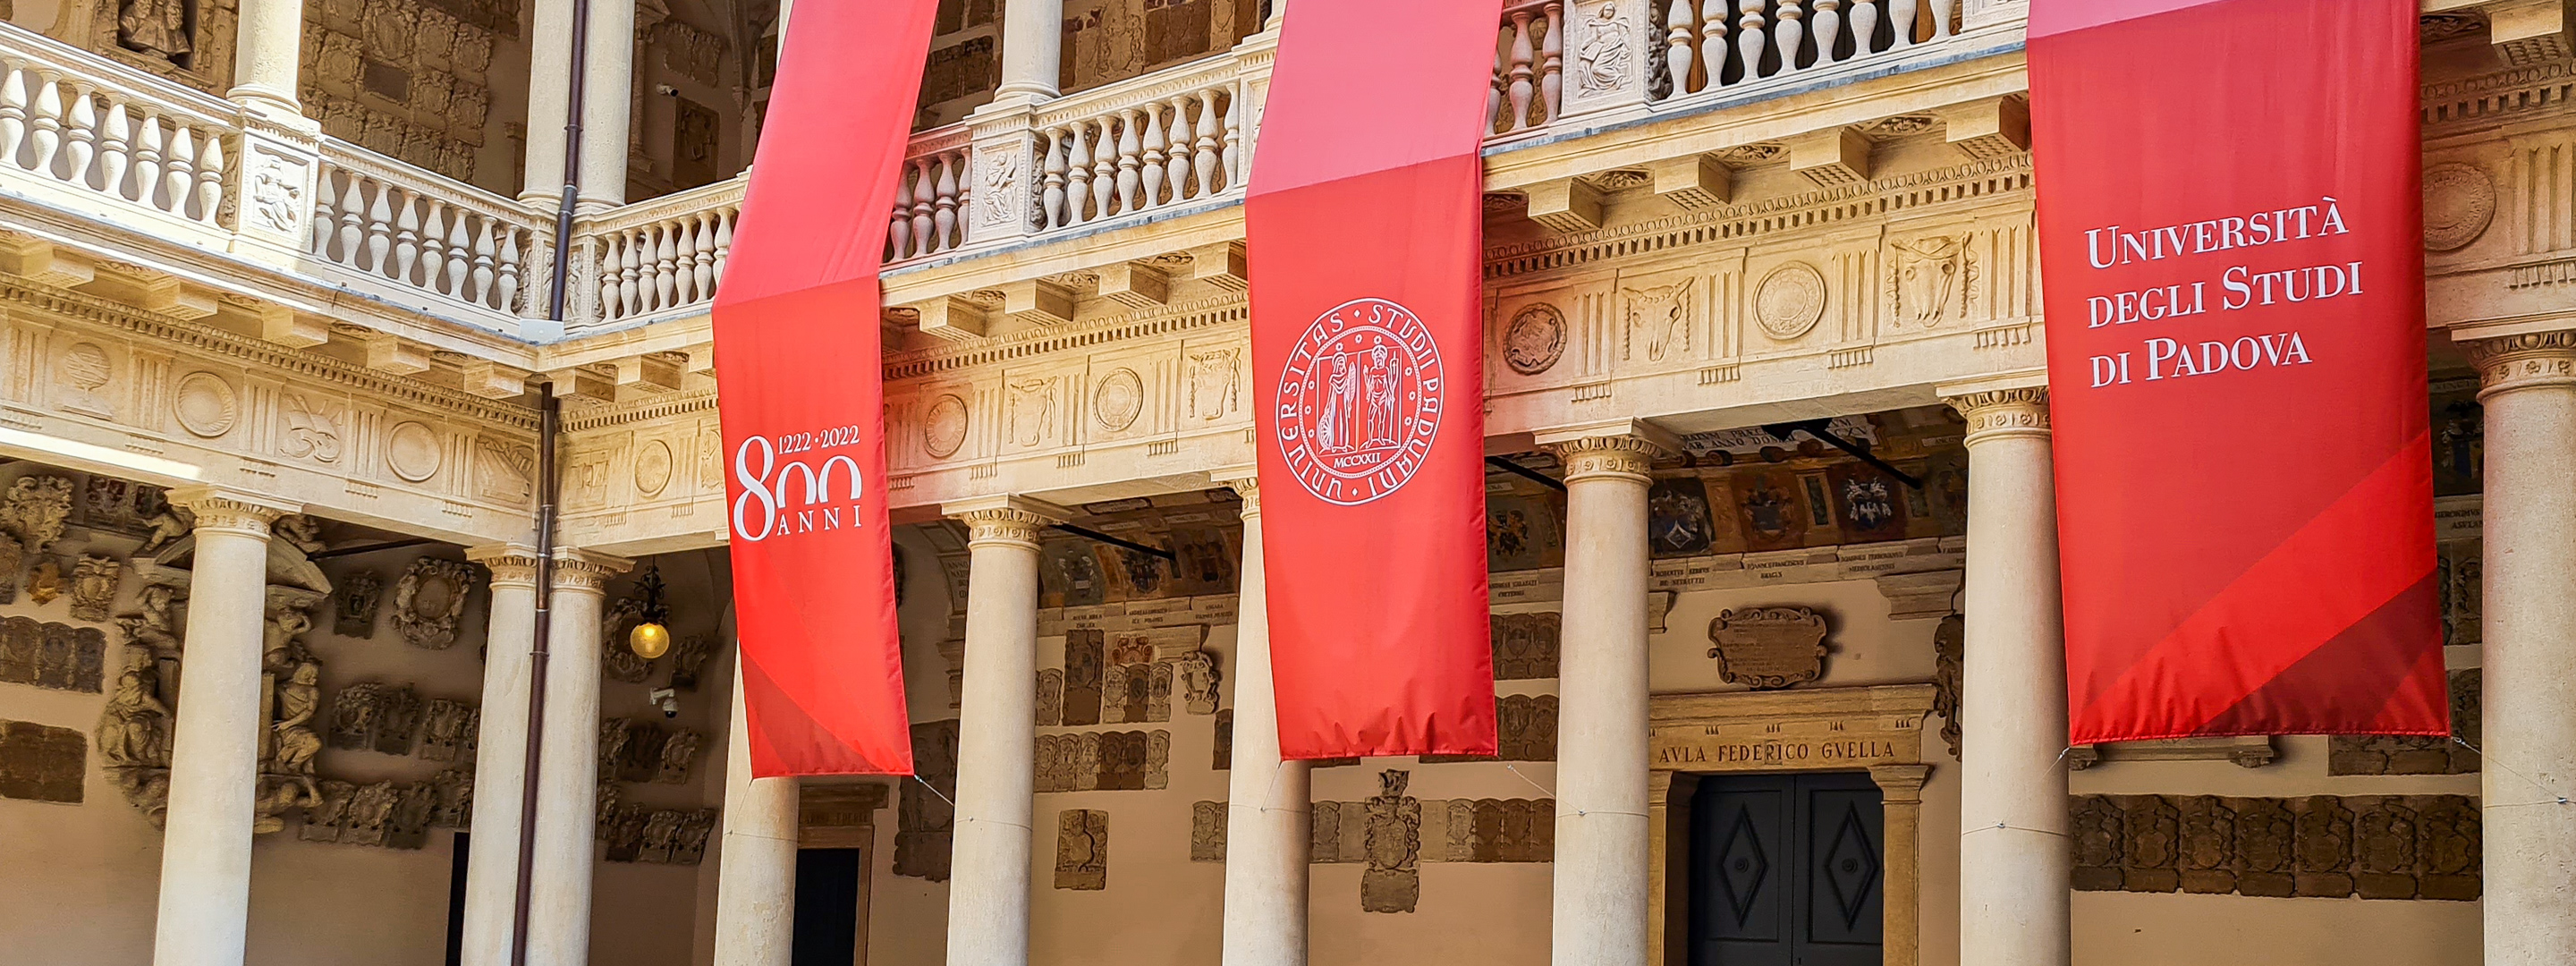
2000,411
1623,448
2529,360
585,571
218,508
1245,481
1005,519
511,564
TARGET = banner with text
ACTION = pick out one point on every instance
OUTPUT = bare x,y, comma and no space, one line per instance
2230,226
1365,228
796,319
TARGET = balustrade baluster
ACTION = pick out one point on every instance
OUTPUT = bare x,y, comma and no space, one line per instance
478,283
1864,27
1790,33
456,257
1495,122
48,119
611,293
1941,17
506,280
1751,39
14,101
326,217
210,179
724,241
1208,159
1232,157
80,130
943,215
666,268
966,197
353,214
1155,142
1131,158
147,158
406,236
1900,15
380,219
1551,67
1104,172
179,170
899,224
115,148
1521,81
1176,157
630,271
681,264
702,262
1051,195
925,189
1714,16
1829,27
1077,172
1679,33
433,245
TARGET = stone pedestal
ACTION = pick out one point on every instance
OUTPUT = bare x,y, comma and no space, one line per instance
215,752
568,767
1268,801
988,884
2014,857
500,755
1602,833
756,864
2530,646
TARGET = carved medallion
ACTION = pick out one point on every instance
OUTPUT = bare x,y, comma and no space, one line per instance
411,451
86,366
1355,424
429,601
1535,339
652,467
1790,301
2459,204
204,405
1118,399
943,429
1768,648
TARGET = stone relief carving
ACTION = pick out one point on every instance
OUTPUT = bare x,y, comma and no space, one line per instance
2373,847
1213,391
1662,316
429,601
1931,277
504,471
659,836
1031,413
1525,726
449,729
94,582
1104,761
1085,657
277,192
1199,679
998,173
1525,646
1082,850
924,819
2459,204
1050,698
1118,399
204,405
412,452
1207,831
42,763
310,431
354,606
33,514
1789,301
1605,52
617,661
57,657
1769,648
689,656
1392,882
1223,756
45,583
1535,339
1949,650
2415,755
1500,830
943,427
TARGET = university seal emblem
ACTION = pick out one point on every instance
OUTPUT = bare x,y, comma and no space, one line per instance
1360,401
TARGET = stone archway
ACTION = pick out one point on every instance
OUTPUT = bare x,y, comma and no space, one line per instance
1877,729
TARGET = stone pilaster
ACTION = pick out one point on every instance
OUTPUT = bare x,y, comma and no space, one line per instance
1268,799
988,885
2015,866
2529,643
1603,836
204,915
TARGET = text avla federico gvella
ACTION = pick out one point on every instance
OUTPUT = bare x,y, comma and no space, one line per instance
2236,288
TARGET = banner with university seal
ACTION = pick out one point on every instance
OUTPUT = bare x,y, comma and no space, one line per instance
1365,227
797,353
2230,221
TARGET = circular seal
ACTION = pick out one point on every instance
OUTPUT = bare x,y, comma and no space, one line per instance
1790,301
1118,400
2459,204
943,430
1535,340
1360,401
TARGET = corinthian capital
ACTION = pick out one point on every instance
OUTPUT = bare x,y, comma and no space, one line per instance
1622,449
1006,519
586,572
2532,360
1997,413
511,564
216,508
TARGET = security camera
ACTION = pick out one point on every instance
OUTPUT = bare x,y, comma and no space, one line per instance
666,90
668,700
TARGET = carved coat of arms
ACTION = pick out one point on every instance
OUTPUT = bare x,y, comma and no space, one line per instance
1768,648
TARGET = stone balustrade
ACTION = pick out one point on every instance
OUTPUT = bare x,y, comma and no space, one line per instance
422,234
1717,45
1154,143
107,138
932,188
660,257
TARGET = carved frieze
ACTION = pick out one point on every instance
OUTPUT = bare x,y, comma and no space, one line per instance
54,656
1525,646
665,836
1499,830
32,514
1525,728
2373,847
1082,850
2418,755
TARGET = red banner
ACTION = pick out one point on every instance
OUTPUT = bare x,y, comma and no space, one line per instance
796,321
2230,225
1366,235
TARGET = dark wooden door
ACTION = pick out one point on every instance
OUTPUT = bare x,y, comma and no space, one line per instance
1786,871
827,906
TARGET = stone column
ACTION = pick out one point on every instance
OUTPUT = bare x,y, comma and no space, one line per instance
269,41
2529,646
988,876
1900,795
1267,832
607,97
568,767
214,754
1602,834
756,864
500,754
1032,50
2014,859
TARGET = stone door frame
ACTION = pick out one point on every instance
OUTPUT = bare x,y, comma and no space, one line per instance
843,816
1877,729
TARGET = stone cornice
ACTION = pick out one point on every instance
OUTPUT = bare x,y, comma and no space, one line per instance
1203,313
643,410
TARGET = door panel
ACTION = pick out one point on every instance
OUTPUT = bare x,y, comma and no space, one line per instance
1786,870
827,907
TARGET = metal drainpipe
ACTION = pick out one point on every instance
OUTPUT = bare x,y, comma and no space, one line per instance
549,432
